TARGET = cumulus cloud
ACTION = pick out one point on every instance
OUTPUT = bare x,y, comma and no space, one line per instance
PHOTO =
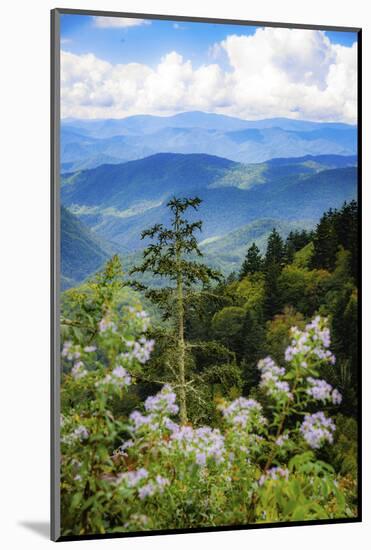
122,22
275,72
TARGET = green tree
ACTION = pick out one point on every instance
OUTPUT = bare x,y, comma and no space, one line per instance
295,241
303,288
346,227
273,264
169,258
253,339
253,262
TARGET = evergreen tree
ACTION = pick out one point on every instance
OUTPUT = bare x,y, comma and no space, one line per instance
295,241
273,264
275,254
168,258
253,262
253,338
337,228
346,227
325,243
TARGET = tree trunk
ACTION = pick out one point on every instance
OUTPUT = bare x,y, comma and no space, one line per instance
181,343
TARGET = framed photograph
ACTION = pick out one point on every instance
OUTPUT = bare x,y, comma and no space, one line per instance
206,186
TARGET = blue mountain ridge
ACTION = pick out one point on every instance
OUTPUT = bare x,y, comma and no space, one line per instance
89,143
118,201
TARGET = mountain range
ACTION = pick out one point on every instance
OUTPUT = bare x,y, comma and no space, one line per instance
241,203
118,175
90,143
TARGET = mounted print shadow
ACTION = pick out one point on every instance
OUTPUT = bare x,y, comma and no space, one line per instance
206,183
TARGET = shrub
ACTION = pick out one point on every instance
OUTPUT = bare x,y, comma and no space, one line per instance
147,471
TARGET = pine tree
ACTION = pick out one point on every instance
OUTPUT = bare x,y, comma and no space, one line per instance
325,243
253,337
346,227
336,228
168,258
273,264
253,262
295,241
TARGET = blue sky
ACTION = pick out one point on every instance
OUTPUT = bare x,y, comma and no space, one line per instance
117,67
148,43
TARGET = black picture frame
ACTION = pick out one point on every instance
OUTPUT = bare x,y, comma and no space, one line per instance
56,262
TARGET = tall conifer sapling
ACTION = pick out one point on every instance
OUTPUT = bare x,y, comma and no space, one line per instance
169,257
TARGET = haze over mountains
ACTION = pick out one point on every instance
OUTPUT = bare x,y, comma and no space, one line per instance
215,157
89,143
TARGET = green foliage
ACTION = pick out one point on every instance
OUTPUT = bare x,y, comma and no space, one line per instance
303,257
273,264
145,471
337,228
343,454
253,262
168,257
277,333
302,287
206,339
296,240
227,323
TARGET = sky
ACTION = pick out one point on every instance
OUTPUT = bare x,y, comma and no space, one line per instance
118,67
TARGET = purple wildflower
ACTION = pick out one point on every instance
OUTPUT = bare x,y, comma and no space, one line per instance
243,412
313,341
78,370
271,379
163,402
317,429
105,324
81,433
146,491
336,397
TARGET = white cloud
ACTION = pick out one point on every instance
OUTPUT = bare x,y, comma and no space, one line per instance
122,22
275,72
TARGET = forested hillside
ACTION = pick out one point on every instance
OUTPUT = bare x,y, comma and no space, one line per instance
119,201
82,253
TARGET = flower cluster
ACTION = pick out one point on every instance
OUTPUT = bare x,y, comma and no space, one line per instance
138,420
142,316
119,377
158,408
271,379
275,473
153,487
106,324
323,391
202,444
312,343
163,402
81,433
71,351
141,350
134,478
78,371
243,413
317,429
